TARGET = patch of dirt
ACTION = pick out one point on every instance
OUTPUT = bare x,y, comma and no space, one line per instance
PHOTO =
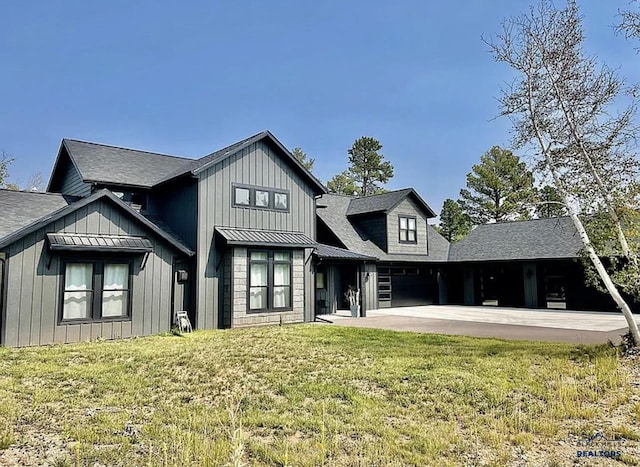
36,448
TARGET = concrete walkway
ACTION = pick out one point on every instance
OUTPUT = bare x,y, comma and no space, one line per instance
580,327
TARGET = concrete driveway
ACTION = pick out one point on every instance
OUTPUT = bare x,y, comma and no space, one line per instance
580,327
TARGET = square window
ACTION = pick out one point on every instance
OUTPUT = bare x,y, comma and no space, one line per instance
281,201
262,199
242,196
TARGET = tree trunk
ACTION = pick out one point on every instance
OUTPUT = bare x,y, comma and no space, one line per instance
604,275
593,256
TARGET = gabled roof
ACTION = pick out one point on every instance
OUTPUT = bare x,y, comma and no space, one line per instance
105,164
63,209
21,208
385,202
194,167
521,240
113,165
332,211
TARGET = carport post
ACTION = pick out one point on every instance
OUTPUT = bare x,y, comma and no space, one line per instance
362,283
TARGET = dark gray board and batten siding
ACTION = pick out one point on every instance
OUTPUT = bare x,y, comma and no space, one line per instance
260,165
176,203
33,296
72,183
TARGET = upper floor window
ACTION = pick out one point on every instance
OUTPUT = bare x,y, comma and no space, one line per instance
408,229
260,198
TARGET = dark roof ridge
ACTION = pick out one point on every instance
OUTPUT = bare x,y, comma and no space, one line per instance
384,193
231,146
522,220
37,192
128,149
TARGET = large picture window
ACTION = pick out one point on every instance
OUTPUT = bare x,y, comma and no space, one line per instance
96,290
269,281
408,229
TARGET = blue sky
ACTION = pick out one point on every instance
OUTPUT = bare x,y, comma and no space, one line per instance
187,78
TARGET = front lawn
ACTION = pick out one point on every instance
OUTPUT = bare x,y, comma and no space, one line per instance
313,395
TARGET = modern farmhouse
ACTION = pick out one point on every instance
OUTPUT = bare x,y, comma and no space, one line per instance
124,239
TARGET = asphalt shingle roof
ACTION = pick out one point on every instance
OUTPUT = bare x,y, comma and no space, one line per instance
29,211
332,210
111,164
21,208
384,202
121,166
522,240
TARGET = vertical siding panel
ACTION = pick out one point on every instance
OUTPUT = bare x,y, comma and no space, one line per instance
73,333
148,302
93,219
50,296
164,294
157,294
81,220
138,302
126,329
26,291
36,294
96,331
14,286
85,332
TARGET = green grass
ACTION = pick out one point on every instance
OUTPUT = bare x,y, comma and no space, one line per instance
311,395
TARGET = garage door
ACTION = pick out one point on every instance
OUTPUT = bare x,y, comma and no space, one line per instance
407,286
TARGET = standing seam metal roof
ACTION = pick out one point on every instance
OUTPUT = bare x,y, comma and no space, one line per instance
65,241
236,236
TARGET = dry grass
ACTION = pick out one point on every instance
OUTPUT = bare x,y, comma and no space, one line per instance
311,395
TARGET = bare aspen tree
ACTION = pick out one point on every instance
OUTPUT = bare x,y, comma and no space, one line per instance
561,105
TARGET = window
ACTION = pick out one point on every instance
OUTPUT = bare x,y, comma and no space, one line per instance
269,280
96,290
320,280
241,196
408,230
281,201
78,291
260,198
115,290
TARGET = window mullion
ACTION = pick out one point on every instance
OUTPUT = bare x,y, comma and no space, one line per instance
96,309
